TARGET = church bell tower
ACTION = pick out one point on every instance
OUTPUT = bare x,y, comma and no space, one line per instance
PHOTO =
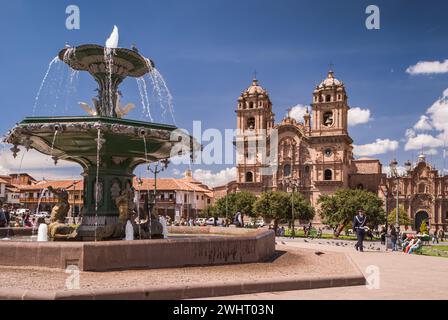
255,121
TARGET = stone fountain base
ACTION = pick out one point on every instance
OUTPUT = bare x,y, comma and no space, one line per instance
214,246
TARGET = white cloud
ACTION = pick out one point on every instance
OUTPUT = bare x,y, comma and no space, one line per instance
36,164
297,112
358,116
428,67
438,113
410,133
423,141
378,147
401,170
436,121
430,152
424,124
215,179
32,160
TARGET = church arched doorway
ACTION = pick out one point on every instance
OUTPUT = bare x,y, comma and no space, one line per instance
419,218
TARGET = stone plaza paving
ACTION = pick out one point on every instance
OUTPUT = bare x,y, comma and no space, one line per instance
291,269
402,276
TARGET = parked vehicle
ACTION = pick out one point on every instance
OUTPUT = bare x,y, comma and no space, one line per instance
260,223
20,212
200,222
42,214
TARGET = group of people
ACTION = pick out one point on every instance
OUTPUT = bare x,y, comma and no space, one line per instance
7,219
411,244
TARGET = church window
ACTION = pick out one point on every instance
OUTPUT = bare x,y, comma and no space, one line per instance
251,105
328,175
328,98
328,119
307,170
421,188
287,170
251,123
249,177
260,104
328,152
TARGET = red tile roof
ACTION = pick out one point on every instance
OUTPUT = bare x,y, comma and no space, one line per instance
64,184
172,184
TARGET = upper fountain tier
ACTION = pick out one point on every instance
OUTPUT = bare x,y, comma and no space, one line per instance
109,67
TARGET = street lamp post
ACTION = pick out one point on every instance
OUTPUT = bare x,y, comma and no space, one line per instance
155,172
294,184
395,174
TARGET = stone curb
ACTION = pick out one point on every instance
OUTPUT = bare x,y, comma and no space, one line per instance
207,290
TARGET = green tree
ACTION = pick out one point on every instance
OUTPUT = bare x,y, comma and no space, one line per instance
245,203
274,205
234,202
226,206
424,228
403,217
303,209
339,209
210,211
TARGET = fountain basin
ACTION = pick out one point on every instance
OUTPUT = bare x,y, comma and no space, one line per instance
90,58
227,246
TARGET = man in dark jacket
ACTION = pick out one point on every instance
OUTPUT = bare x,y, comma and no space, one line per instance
359,224
3,220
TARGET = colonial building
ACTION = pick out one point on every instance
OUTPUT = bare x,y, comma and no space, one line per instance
36,196
422,192
177,198
315,153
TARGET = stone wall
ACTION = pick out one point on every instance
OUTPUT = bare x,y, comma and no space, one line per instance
225,246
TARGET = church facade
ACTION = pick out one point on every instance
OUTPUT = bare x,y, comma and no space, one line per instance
422,193
313,156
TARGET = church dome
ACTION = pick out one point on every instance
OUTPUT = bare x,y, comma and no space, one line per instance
255,89
330,81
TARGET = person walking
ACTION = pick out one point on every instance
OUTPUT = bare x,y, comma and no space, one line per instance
435,237
441,234
7,214
393,237
359,224
2,218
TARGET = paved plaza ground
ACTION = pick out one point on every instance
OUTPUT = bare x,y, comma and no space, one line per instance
290,263
402,276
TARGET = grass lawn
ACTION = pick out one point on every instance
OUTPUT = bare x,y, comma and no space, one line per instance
435,251
301,234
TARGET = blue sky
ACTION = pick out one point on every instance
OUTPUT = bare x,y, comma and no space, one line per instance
208,50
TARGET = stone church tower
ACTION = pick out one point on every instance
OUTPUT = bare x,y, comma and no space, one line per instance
329,137
313,154
255,121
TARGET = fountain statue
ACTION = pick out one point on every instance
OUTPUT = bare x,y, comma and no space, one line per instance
57,228
107,146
